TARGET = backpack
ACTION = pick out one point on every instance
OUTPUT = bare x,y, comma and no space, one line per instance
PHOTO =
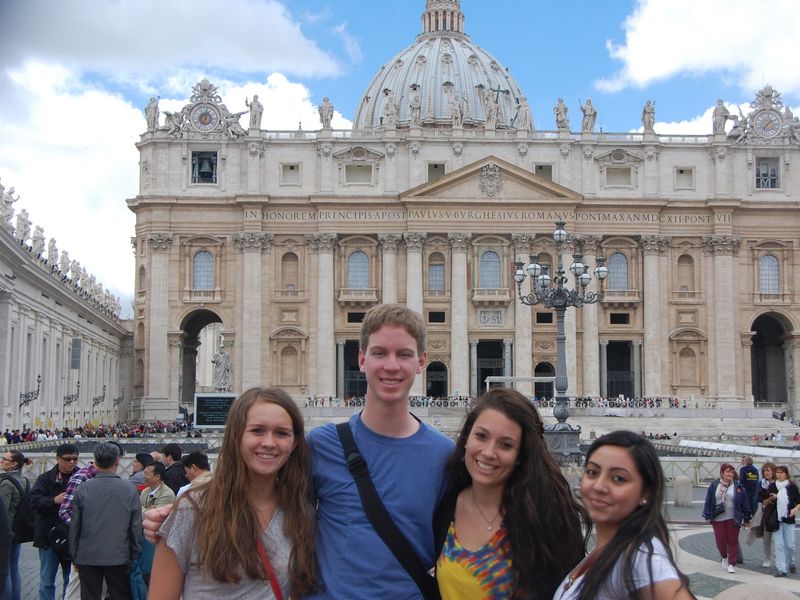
23,518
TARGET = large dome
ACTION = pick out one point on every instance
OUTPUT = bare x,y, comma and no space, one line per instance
451,80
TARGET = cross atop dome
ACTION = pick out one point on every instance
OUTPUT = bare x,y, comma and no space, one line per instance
442,15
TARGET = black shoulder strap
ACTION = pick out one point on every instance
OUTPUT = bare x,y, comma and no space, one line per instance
380,518
16,484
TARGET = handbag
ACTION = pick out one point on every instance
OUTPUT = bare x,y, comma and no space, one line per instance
379,517
273,579
770,520
58,540
719,509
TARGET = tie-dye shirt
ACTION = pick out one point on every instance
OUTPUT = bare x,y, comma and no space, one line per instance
484,574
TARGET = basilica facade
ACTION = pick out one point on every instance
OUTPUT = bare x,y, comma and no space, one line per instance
279,241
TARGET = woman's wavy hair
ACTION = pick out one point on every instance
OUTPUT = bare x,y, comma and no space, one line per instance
638,529
769,465
543,519
227,527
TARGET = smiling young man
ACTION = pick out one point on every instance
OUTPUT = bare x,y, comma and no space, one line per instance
405,458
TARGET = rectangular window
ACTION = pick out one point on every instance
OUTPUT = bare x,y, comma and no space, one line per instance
619,176
684,178
290,174
620,319
544,171
543,318
358,174
436,316
767,174
204,167
435,171
355,317
75,354
436,277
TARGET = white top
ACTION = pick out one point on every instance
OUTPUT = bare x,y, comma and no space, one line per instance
615,586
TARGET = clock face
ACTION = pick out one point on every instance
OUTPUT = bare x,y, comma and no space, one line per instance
205,117
767,123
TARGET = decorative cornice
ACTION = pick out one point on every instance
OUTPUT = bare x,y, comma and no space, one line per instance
459,241
654,244
390,241
415,240
721,245
160,241
586,244
522,242
253,240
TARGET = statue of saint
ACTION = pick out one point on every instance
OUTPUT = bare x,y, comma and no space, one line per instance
222,369
38,241
63,262
390,112
232,126
490,108
256,111
326,113
720,117
560,110
151,114
457,111
649,117
52,253
522,120
6,206
23,230
589,116
414,105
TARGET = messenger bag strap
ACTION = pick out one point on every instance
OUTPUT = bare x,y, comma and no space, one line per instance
379,517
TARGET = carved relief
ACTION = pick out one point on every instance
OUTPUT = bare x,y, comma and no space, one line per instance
654,244
458,148
414,240
160,241
321,242
490,180
459,241
721,245
390,241
253,240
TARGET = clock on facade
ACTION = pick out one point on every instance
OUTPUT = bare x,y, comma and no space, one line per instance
205,117
767,123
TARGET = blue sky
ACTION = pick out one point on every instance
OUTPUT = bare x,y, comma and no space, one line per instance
75,75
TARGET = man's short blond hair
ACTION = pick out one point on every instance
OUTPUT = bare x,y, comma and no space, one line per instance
395,314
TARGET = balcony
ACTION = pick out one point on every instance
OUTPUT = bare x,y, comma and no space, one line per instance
436,295
358,296
289,295
687,296
770,299
491,296
203,296
622,298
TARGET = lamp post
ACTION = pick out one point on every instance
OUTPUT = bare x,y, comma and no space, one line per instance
562,438
26,398
70,399
98,400
119,400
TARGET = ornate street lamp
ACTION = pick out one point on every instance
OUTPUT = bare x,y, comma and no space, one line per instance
562,438
26,398
119,400
98,400
70,399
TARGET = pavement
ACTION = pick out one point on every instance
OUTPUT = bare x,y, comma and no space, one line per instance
693,544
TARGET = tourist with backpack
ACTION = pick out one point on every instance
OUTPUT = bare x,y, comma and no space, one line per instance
15,492
5,544
46,498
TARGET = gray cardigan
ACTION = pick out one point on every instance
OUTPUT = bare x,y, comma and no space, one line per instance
106,525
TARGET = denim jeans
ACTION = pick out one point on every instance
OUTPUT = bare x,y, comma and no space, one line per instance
48,569
12,591
783,541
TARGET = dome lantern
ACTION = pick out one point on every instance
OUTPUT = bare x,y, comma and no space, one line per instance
442,15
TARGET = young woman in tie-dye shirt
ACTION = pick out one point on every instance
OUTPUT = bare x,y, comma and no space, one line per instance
509,527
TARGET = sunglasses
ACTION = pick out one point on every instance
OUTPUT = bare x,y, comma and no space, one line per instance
69,458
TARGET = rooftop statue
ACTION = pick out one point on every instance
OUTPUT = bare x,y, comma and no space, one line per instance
326,113
256,111
560,110
23,229
649,117
151,114
589,116
38,241
52,253
720,117
414,104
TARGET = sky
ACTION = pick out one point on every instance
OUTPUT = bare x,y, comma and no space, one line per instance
76,74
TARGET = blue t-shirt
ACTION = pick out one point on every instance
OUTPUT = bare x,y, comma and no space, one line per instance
409,476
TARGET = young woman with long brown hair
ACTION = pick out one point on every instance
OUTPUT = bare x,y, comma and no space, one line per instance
248,532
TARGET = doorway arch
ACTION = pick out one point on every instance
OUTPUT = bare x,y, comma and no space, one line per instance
768,359
191,329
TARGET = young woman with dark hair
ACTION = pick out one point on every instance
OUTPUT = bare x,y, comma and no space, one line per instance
11,464
509,527
786,496
623,490
248,532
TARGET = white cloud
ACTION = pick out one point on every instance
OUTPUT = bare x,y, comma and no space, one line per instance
752,42
143,40
351,45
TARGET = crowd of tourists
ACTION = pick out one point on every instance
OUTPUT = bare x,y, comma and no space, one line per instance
118,430
379,506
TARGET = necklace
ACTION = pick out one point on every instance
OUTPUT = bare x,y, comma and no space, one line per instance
489,523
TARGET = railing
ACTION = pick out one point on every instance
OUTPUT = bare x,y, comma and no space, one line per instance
627,297
696,295
358,295
290,294
491,296
205,296
779,298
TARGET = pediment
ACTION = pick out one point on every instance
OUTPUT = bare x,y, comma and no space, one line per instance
492,179
618,156
358,154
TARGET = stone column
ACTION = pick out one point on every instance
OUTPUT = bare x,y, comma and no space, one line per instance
589,245
157,403
473,369
523,334
723,248
176,367
340,370
459,312
719,155
325,158
414,244
604,369
652,247
251,245
507,370
793,367
389,243
636,361
255,152
323,245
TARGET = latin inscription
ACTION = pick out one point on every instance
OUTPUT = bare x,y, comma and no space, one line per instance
546,216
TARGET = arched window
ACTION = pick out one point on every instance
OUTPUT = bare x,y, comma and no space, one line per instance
289,271
687,365
769,282
618,271
203,272
490,270
436,272
685,273
358,271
